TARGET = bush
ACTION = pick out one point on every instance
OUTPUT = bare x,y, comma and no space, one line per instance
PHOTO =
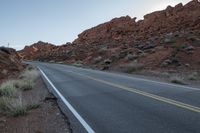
12,106
32,106
31,67
8,89
132,57
193,76
18,111
78,64
29,75
133,67
25,84
4,101
15,107
97,60
10,93
177,80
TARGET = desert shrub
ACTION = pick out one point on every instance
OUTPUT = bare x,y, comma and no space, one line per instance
8,89
51,61
193,76
18,111
132,57
32,106
165,74
29,75
133,67
4,101
60,62
78,64
10,94
15,107
177,80
97,60
31,67
25,84
107,61
12,106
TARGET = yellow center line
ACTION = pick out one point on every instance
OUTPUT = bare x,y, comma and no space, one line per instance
153,96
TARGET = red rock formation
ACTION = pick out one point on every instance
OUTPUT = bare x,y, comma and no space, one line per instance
163,40
9,62
30,52
178,18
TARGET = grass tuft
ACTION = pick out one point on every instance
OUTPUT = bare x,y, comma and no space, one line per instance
193,76
18,111
8,89
132,67
4,101
30,75
25,85
177,80
33,106
30,67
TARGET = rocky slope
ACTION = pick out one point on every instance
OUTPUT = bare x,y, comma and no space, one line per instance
9,62
167,39
29,52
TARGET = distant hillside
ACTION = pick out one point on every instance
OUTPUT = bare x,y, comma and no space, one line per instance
37,48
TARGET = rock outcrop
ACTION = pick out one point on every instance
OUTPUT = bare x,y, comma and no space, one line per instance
164,39
9,62
125,29
30,52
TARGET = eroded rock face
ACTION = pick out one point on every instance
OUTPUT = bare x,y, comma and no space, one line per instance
163,40
178,18
9,62
39,48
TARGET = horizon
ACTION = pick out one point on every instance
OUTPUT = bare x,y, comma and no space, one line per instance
29,22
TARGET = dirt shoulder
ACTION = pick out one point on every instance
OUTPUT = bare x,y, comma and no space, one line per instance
43,117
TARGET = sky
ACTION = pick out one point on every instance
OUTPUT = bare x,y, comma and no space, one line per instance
24,22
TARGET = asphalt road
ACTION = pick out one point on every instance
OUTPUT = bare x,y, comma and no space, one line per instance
119,103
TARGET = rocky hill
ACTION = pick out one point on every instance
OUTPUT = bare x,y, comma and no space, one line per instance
30,52
167,39
9,62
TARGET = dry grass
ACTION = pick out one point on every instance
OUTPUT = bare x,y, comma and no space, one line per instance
30,75
193,76
16,107
11,93
31,67
25,84
4,101
12,106
8,89
177,80
133,67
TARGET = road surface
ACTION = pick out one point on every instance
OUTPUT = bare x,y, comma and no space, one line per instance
105,102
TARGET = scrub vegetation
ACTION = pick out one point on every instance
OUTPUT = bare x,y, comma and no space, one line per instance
11,98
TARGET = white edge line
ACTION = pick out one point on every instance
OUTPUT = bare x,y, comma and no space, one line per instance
76,114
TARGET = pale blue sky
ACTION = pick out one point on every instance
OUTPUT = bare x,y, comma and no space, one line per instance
23,22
